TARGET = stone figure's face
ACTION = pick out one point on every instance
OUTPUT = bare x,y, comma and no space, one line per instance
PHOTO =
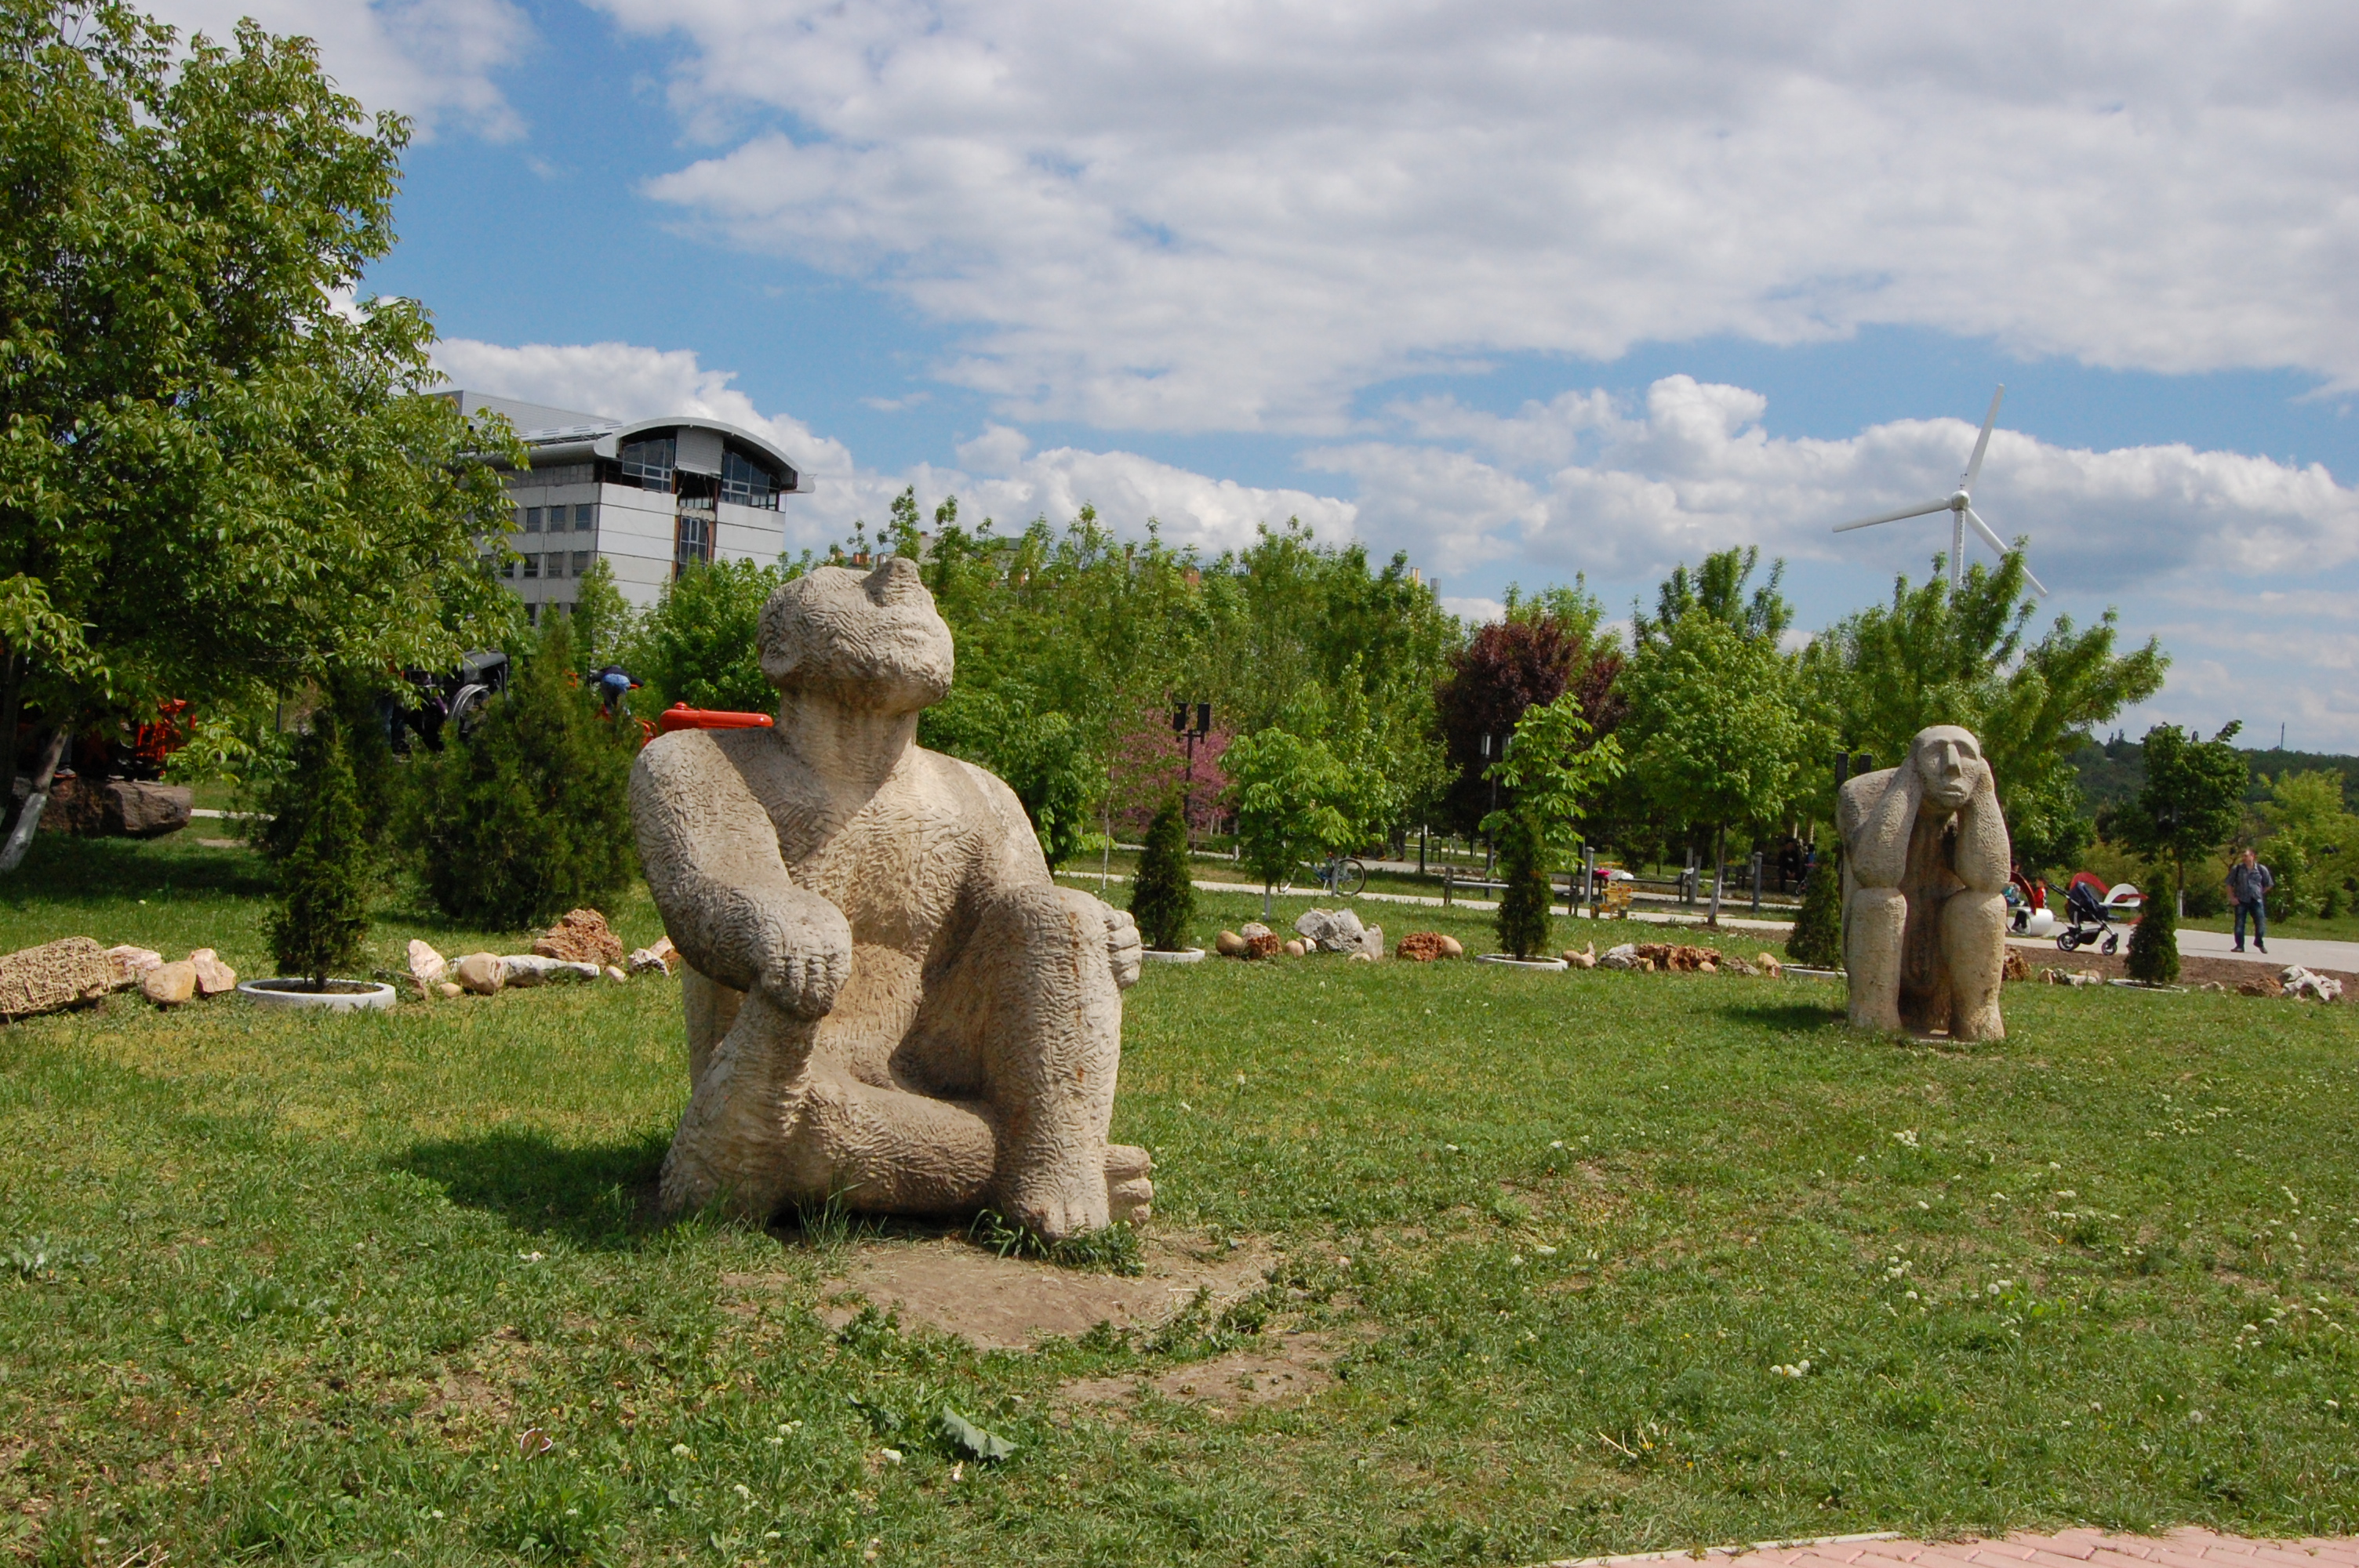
869,640
1949,762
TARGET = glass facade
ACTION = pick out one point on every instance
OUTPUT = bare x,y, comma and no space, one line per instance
746,483
650,461
691,541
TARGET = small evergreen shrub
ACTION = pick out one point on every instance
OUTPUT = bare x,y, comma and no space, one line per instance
1523,918
2154,941
530,817
1815,941
318,843
1163,899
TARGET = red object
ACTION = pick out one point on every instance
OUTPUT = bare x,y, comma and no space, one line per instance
680,716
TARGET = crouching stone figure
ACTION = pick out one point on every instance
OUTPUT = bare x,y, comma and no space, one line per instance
889,1002
1925,865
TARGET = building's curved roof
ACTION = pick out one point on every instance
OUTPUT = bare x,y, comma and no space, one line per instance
606,439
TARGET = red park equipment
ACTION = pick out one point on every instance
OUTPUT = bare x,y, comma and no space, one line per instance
680,716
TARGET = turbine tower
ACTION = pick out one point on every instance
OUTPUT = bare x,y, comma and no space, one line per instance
1960,505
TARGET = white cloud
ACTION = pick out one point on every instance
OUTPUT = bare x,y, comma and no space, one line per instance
1235,216
432,60
1474,612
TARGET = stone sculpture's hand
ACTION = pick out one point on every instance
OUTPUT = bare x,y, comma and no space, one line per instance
804,954
1122,946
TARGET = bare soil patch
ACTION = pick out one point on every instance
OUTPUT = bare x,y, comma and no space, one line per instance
1281,1368
2192,971
1010,1304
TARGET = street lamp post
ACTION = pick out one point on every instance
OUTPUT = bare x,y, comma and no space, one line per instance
1192,728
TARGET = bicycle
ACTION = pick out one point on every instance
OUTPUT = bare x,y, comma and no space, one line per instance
1340,875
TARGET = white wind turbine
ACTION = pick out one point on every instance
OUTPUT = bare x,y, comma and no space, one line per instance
1960,505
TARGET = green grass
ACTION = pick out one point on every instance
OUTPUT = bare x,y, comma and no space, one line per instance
283,1289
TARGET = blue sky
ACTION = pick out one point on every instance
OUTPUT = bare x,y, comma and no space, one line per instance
1524,290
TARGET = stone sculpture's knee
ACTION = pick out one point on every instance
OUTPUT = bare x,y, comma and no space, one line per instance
1874,920
1973,950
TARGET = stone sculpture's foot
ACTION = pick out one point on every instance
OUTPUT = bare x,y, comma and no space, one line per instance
1130,1196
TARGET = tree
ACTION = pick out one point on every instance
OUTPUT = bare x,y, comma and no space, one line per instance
1816,940
1523,915
1717,589
603,626
1163,899
530,815
2193,802
1530,659
219,479
1042,754
317,842
2153,957
1714,736
1943,656
2314,842
1551,768
699,644
1283,788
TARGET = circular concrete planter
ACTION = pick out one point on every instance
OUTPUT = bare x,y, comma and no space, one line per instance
1501,958
1184,955
341,996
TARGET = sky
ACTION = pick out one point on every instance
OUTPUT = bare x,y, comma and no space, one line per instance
1523,290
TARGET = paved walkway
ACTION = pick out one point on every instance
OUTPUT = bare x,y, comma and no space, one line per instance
2072,1549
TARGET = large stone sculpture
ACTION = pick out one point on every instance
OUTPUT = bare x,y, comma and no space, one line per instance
890,1004
1925,865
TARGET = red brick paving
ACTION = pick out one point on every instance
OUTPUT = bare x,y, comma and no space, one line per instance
2072,1549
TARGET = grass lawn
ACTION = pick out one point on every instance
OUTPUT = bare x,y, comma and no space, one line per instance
1633,1261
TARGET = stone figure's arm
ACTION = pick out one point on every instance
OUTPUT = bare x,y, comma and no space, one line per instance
1982,851
1877,812
712,860
1018,861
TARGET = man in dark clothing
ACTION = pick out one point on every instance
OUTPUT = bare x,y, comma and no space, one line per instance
2249,883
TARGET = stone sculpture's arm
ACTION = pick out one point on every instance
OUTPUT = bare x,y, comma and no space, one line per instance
1020,863
712,860
1878,813
1984,857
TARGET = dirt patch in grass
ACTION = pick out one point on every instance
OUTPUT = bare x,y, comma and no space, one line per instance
1010,1304
2192,970
1279,1368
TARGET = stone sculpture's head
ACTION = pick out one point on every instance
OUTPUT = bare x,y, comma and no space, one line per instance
868,639
1949,762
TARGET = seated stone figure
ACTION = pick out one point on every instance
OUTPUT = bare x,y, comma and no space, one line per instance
1925,868
889,1002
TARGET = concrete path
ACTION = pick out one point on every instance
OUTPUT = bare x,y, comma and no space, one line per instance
2072,1549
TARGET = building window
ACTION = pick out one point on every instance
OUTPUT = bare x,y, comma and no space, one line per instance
520,519
580,563
748,483
532,519
691,541
532,614
532,565
508,567
650,461
586,517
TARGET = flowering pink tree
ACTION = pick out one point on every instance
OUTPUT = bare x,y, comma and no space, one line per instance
1148,764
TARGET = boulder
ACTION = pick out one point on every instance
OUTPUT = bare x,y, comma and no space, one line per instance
1229,944
130,963
1253,928
2259,985
1581,958
449,990
481,973
536,969
1266,945
169,985
1329,930
1420,946
1452,948
427,966
2014,968
581,936
1767,964
1623,957
2298,981
1372,942
657,958
1731,964
615,972
66,973
117,808
1297,948
213,977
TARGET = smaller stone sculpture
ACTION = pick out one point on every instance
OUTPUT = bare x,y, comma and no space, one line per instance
1924,869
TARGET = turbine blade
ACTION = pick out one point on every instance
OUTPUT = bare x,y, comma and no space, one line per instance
1995,542
1982,442
1927,510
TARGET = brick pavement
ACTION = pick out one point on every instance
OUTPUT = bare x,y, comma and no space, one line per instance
2186,1548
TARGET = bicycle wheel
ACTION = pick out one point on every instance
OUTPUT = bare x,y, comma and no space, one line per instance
1351,879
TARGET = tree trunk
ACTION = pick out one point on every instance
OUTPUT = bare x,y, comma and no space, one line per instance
12,704
1719,872
29,819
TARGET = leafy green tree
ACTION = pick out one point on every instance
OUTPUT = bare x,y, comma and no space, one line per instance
1523,915
1943,656
1283,788
2314,842
1163,898
603,626
218,479
318,844
1546,648
1717,590
698,644
2153,958
1552,767
2193,802
1716,738
530,815
1816,940
1042,754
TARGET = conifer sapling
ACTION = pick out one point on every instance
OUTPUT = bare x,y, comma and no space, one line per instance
1163,900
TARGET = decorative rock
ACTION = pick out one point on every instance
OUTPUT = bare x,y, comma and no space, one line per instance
658,958
449,990
1585,958
55,975
532,968
1253,928
2298,981
1297,948
1420,946
1357,956
1623,957
213,977
2259,985
481,973
427,966
117,808
1329,930
2016,967
1768,964
615,972
1266,945
1924,869
1731,964
581,936
130,963
1229,944
1372,942
169,985
1452,948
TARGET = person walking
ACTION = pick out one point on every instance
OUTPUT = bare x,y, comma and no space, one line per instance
2249,883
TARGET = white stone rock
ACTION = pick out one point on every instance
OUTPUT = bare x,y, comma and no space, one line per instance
1329,930
1624,957
532,968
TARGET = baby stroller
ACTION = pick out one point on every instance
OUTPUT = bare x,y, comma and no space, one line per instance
2090,907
